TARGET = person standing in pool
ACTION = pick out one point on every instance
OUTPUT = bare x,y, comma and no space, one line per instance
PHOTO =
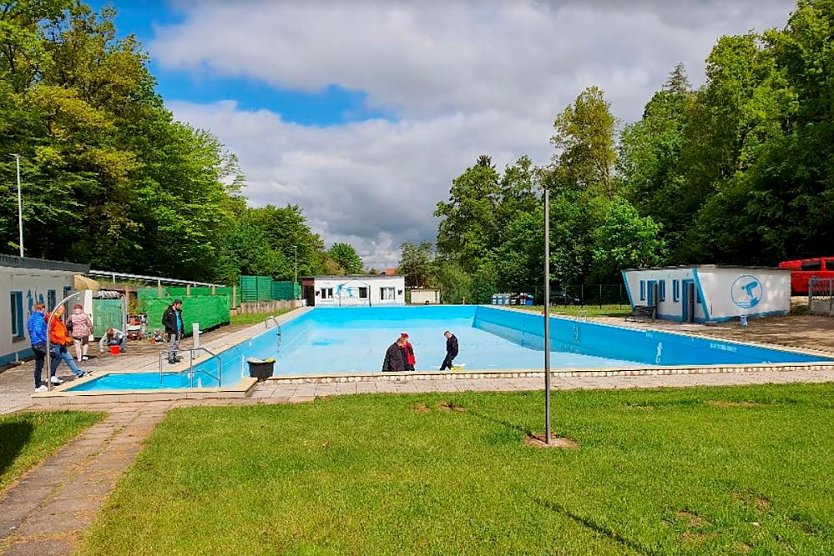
451,350
408,352
394,361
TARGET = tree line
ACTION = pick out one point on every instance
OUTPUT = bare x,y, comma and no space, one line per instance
736,171
110,178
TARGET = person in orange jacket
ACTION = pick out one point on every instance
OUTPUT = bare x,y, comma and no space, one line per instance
59,339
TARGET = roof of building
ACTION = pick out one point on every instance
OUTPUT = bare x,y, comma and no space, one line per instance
689,266
350,277
11,261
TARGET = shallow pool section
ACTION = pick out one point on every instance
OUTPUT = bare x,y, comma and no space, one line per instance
326,341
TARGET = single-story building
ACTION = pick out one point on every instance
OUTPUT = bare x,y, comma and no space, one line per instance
353,290
424,296
23,282
710,293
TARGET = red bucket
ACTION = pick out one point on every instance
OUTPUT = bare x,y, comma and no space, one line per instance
114,350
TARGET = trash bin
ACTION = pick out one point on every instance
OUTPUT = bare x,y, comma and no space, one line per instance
261,369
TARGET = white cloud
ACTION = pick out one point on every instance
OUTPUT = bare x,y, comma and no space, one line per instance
464,78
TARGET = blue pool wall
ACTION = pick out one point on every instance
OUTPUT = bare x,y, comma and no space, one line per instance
647,347
644,347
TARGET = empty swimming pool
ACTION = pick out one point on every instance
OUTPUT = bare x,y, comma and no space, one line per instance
326,341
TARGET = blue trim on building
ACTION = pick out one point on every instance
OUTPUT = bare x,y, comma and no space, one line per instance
752,316
16,355
628,289
701,293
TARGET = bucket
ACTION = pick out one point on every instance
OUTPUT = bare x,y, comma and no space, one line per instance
114,350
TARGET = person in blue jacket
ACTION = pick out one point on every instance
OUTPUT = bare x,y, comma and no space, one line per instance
37,337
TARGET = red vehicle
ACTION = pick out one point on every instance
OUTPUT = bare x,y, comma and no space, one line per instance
803,270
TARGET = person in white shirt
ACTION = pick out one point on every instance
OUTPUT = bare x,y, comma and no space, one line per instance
113,337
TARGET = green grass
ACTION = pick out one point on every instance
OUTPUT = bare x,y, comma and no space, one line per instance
256,318
28,438
589,310
706,470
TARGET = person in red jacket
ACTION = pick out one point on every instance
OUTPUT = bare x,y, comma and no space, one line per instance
408,352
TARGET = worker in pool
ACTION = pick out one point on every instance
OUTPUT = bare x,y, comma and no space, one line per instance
451,350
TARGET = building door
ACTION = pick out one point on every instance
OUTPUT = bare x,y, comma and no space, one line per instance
688,300
651,294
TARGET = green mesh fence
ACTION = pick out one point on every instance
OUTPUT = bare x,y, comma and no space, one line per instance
208,310
264,288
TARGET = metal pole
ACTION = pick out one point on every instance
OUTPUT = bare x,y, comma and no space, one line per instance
19,204
547,315
295,280
48,323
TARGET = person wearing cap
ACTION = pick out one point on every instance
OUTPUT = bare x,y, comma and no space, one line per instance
172,321
408,352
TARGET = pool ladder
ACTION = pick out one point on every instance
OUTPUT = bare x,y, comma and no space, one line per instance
191,352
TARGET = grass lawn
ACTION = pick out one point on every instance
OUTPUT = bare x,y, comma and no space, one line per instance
707,470
589,310
256,318
28,438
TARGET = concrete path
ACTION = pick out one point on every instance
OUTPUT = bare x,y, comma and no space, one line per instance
46,512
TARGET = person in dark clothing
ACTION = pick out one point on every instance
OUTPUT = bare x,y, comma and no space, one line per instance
37,335
172,321
394,361
408,352
451,350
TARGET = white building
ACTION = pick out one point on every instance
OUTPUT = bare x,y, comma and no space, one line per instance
353,290
710,293
424,296
24,282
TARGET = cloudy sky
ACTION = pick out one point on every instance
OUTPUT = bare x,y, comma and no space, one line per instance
363,112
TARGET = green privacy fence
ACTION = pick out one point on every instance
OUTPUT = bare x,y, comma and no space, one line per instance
107,313
209,311
264,288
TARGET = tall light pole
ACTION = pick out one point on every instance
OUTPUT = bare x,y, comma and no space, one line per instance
295,253
19,205
547,315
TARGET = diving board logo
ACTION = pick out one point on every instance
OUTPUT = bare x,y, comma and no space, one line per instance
746,291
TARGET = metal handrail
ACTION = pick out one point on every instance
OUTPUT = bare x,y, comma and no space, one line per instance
191,364
272,318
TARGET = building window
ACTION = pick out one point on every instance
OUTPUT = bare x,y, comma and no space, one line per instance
697,296
327,293
50,300
17,315
661,290
67,291
642,290
363,293
676,290
387,294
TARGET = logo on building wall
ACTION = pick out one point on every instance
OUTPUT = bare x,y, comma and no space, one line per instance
746,291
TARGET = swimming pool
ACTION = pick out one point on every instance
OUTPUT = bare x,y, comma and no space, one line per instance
347,340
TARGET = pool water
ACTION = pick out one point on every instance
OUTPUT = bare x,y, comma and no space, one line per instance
326,341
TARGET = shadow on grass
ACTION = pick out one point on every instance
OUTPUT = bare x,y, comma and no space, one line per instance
495,421
594,526
14,435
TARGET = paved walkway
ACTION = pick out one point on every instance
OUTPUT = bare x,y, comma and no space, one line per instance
46,512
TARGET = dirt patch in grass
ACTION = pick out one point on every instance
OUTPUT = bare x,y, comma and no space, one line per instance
761,504
742,548
691,518
450,406
538,441
726,404
420,407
